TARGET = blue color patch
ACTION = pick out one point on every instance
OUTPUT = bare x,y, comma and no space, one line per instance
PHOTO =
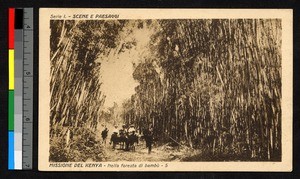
11,158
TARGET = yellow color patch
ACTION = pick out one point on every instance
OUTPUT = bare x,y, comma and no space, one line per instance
11,69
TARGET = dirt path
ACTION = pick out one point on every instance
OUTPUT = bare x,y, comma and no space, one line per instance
140,154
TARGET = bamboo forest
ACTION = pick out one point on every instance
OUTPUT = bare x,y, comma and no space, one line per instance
209,88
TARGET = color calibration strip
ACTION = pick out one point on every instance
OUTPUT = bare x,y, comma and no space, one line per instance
20,88
11,85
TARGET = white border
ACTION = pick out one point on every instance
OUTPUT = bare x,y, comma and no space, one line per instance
287,84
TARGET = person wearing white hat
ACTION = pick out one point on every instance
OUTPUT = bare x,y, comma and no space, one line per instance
131,129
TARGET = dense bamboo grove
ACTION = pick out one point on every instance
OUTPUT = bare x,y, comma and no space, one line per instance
214,85
75,87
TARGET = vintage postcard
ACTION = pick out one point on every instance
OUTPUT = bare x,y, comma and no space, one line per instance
165,89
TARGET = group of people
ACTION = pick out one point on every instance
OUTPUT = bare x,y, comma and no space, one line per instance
128,137
124,130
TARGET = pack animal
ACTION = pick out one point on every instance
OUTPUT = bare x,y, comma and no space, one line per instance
125,141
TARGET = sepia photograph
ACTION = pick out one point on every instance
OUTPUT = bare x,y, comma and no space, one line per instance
164,91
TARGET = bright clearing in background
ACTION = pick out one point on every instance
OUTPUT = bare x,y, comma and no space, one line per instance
117,69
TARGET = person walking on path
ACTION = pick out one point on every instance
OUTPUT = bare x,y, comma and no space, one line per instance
148,135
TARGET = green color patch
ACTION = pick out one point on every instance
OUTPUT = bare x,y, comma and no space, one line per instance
11,110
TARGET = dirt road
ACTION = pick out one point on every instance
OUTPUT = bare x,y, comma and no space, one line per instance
140,154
